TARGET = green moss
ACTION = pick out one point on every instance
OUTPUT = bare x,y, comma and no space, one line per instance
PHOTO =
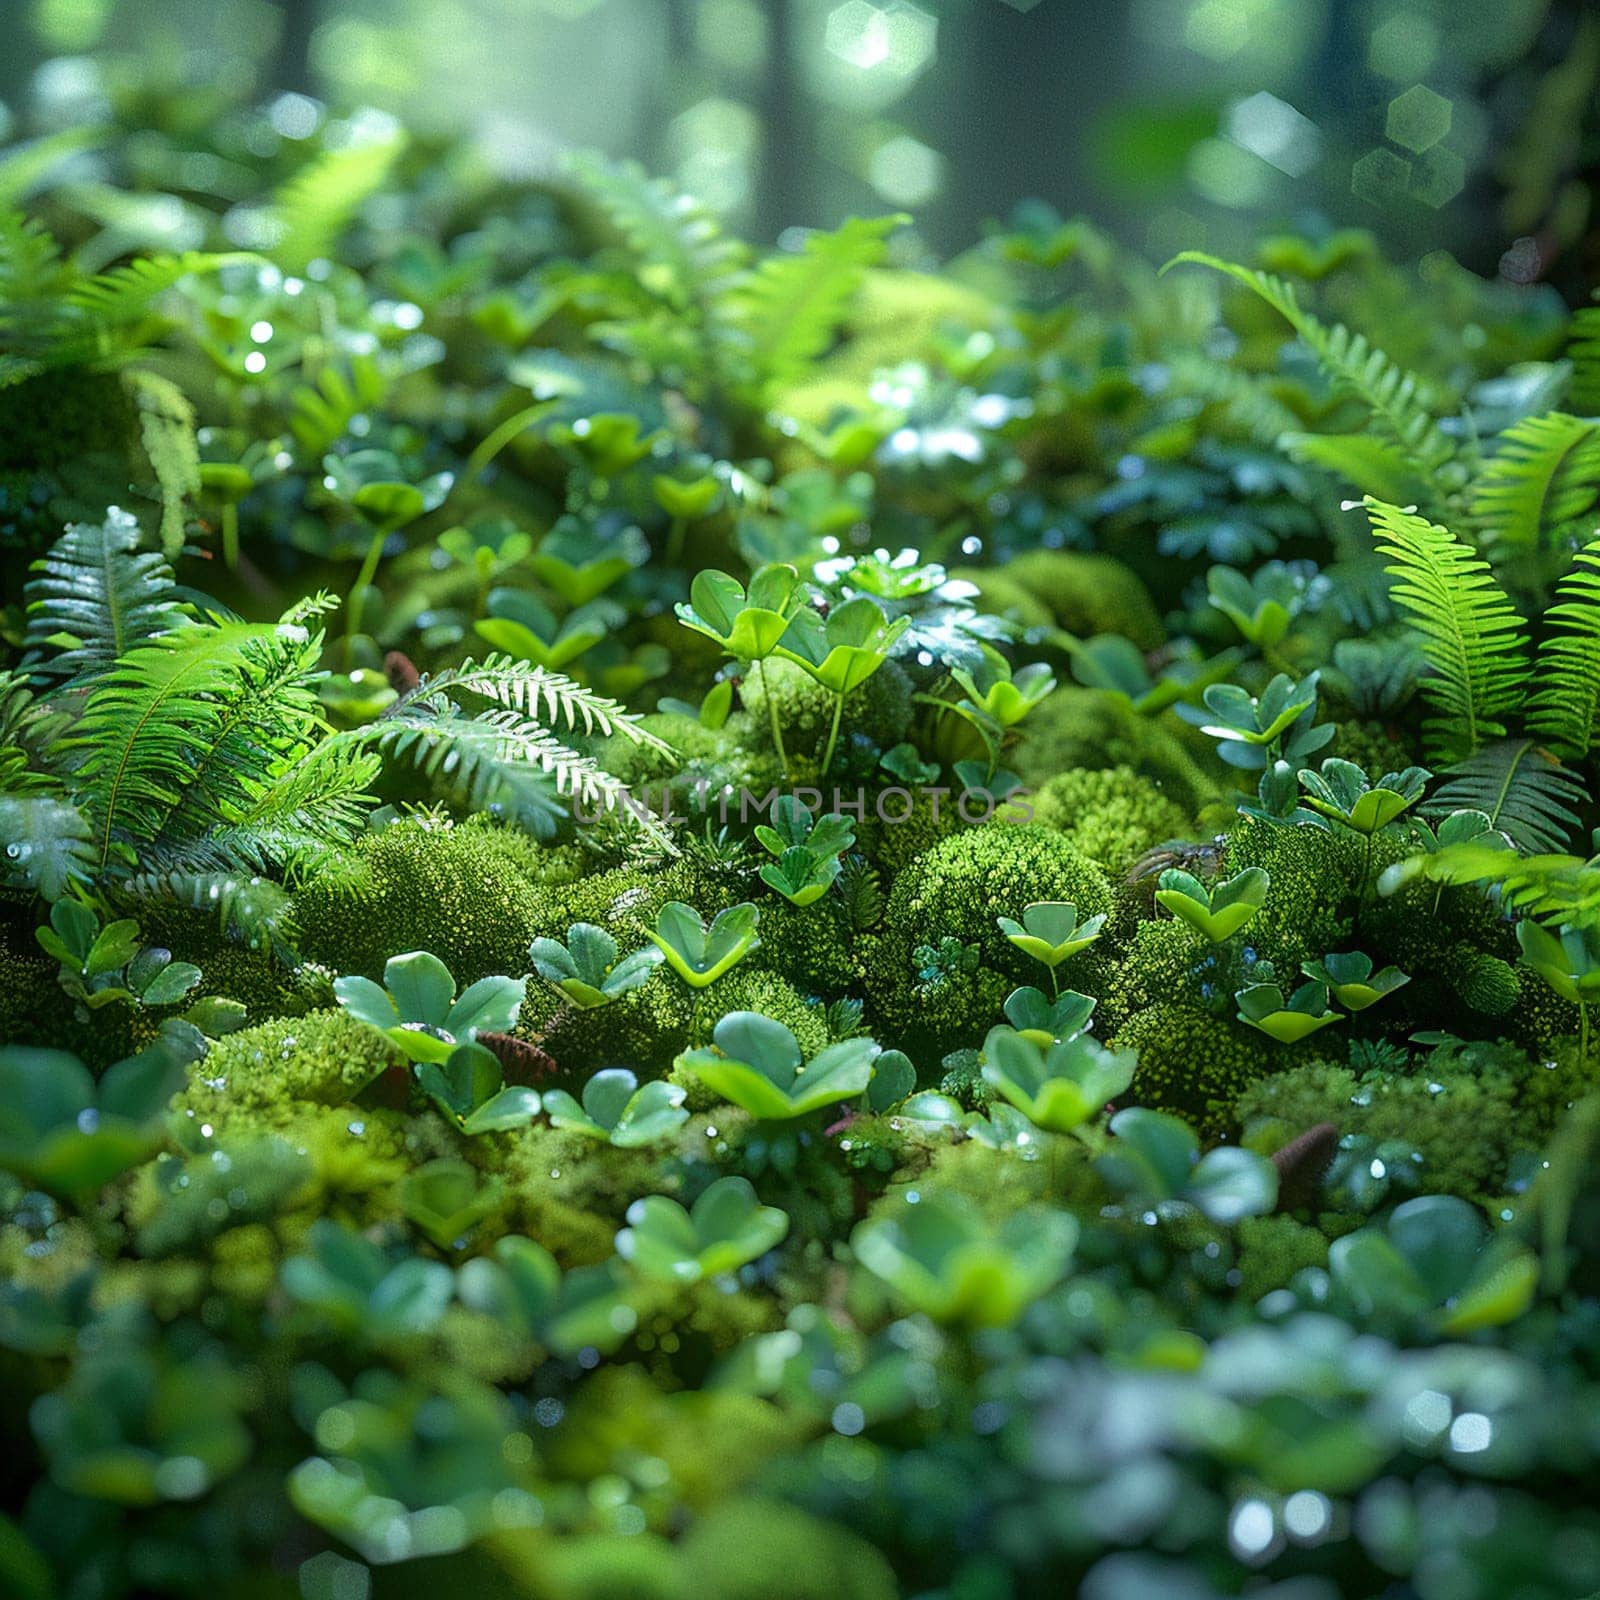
425,885
268,1073
1272,1250
1113,815
1193,1063
1091,728
60,417
1002,594
811,946
1372,746
1166,962
1089,594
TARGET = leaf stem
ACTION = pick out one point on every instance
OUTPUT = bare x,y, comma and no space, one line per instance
772,713
230,534
833,733
356,600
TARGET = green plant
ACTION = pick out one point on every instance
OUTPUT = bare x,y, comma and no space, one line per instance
1350,979
103,965
585,968
1155,1157
617,1111
1050,932
755,1063
725,1228
1056,1087
1263,1006
938,1256
1217,912
469,1088
417,1010
698,953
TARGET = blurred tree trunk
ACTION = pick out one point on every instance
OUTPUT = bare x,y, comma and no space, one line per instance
291,65
785,194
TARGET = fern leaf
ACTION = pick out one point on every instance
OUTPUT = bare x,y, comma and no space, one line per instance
1399,401
46,844
321,412
315,206
1244,400
1470,633
125,293
1543,478
1549,887
249,908
1524,791
96,596
146,725
543,695
1583,351
1565,709
790,307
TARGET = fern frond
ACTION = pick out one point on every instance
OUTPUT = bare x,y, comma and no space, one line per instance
1543,478
789,308
1245,401
167,431
248,907
1523,790
1470,633
1583,351
124,294
680,253
46,844
1399,401
1549,887
314,206
321,412
1565,704
543,695
31,269
97,595
28,729
147,724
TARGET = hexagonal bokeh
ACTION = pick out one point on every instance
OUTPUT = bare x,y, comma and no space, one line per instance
1380,177
1418,119
1439,177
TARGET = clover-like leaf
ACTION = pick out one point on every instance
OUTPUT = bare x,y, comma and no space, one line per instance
1220,911
748,625
939,1256
1059,1087
1155,1158
616,1110
755,1063
1262,1006
794,823
842,652
726,1227
1568,959
1342,792
700,954
446,1200
1351,980
800,875
1050,931
586,968
1044,1020
417,1010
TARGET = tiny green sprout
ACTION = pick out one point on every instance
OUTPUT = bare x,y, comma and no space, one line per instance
794,823
608,441
800,875
468,1087
1262,1006
1351,980
1001,694
359,1290
1045,1021
1155,1158
578,561
416,1008
520,1286
446,1200
104,965
842,652
1569,961
618,1112
686,501
62,1132
1260,606
1280,723
1219,912
755,1064
700,954
1050,932
1117,665
525,628
1059,1087
585,968
726,1228
747,624
1341,792
942,1257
